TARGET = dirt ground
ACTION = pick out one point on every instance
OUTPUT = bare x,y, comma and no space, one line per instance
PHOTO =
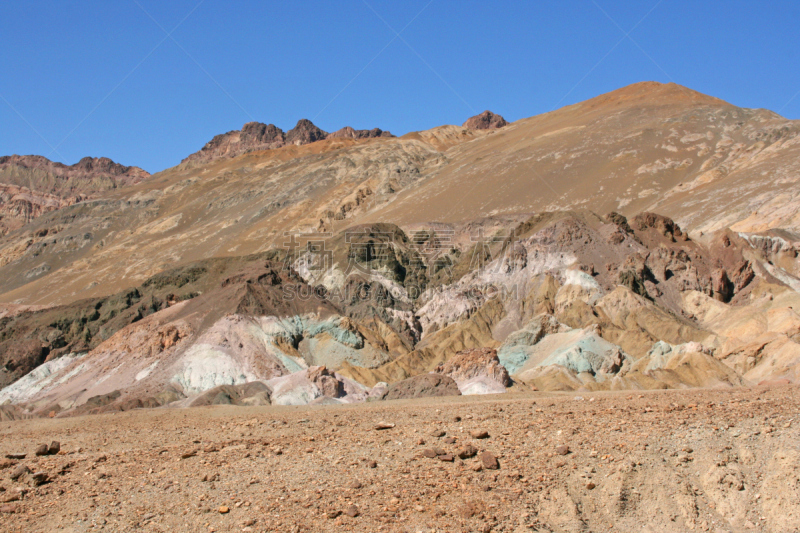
697,460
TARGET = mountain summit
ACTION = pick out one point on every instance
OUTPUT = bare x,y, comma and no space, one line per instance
255,136
31,185
485,121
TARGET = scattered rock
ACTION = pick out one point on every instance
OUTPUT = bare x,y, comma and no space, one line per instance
479,434
446,458
384,425
19,471
190,453
41,450
12,496
489,461
590,485
54,448
40,478
333,514
467,451
351,511
15,456
562,449
8,508
438,433
224,509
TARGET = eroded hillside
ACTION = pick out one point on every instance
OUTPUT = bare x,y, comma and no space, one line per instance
647,238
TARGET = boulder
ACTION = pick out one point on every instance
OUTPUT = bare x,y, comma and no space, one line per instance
422,386
476,371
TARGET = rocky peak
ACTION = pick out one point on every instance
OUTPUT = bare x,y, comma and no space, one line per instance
87,167
103,166
31,185
253,136
263,133
661,224
349,133
258,136
304,132
485,121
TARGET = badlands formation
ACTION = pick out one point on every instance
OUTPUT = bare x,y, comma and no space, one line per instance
609,291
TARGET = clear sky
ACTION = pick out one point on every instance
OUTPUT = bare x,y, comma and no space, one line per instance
147,82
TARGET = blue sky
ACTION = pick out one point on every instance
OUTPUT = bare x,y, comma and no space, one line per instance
103,78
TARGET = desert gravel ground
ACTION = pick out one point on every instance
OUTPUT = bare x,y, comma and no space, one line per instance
698,460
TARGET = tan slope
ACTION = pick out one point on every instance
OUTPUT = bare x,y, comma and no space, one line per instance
655,147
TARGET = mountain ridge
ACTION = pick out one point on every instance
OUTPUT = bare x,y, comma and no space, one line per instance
32,185
646,238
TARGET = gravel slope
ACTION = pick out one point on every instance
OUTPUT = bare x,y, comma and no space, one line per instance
702,460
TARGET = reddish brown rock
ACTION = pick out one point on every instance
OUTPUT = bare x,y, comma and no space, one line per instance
304,132
253,136
476,371
489,461
352,511
485,121
741,275
422,386
19,471
663,225
326,381
40,478
349,133
721,285
467,451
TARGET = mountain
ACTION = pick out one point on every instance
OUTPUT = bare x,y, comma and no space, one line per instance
256,136
646,238
31,185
